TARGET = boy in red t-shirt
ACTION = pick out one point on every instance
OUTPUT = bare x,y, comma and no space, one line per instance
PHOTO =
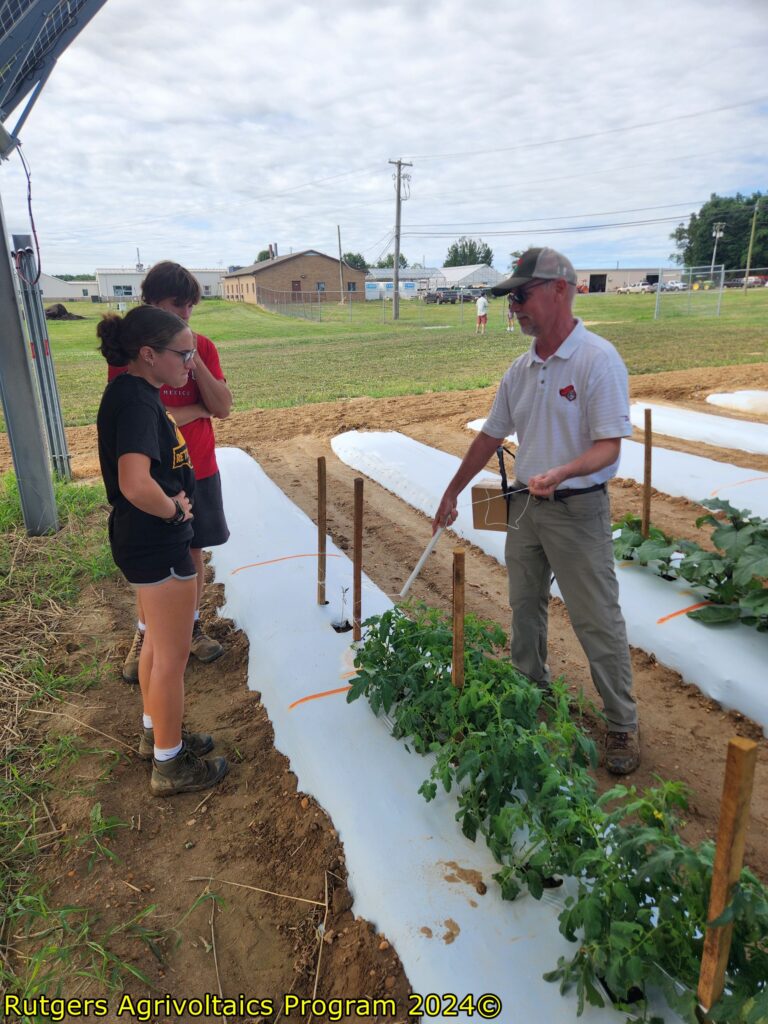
206,394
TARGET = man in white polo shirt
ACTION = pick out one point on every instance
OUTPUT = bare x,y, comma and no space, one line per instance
567,398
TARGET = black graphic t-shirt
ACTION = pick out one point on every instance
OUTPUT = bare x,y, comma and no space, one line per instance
132,419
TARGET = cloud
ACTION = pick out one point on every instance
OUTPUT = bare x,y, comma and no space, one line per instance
203,132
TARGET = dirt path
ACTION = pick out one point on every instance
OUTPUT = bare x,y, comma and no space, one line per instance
256,829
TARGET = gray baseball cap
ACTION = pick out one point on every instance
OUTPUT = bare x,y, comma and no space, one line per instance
537,264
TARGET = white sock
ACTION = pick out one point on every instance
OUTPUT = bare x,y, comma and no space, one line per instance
167,755
141,626
197,614
147,721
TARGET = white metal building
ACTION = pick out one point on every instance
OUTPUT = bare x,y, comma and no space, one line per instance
477,276
608,279
415,281
380,284
125,282
53,289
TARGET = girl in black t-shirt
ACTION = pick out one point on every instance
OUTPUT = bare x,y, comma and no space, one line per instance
150,486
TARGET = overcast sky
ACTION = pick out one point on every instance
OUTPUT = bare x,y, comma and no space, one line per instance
202,131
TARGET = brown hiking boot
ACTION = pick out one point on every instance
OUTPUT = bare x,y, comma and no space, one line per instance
186,773
203,647
198,742
131,664
622,752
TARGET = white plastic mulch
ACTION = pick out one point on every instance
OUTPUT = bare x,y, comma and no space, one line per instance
726,662
403,855
701,426
742,401
688,476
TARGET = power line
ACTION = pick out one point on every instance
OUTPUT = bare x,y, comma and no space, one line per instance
591,135
551,231
533,220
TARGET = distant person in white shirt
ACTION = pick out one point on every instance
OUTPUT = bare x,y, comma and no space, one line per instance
482,315
567,398
510,317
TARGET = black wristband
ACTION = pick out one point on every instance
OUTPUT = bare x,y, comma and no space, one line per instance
178,516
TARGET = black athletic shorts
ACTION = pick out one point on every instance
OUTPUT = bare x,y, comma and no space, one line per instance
209,523
178,565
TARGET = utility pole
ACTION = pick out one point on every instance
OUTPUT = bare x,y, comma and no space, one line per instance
341,269
751,243
398,179
718,230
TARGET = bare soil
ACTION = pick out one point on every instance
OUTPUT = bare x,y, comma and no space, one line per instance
256,829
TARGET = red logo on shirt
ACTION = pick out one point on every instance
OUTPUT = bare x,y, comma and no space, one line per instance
569,392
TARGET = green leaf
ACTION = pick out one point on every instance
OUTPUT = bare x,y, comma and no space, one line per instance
716,614
752,563
758,1011
655,551
535,884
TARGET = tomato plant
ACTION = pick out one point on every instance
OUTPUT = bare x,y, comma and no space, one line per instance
518,761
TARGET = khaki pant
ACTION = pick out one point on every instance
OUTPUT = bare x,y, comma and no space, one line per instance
572,539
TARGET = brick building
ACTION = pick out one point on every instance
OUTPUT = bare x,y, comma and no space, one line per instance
308,276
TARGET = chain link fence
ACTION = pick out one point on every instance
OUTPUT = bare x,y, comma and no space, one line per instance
344,307
687,291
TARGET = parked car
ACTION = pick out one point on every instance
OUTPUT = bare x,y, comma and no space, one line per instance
674,286
470,294
447,295
636,289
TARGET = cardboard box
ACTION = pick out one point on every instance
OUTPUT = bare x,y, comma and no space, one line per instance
489,507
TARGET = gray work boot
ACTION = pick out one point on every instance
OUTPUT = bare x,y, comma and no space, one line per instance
186,773
204,648
131,664
199,743
622,752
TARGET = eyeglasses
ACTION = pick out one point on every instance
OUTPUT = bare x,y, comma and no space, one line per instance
186,354
521,295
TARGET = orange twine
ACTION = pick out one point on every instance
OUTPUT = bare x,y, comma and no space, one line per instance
751,480
317,696
682,611
284,558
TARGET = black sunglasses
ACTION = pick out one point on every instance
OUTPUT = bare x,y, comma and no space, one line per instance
186,354
521,295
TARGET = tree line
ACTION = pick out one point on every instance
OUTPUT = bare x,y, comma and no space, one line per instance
465,252
694,241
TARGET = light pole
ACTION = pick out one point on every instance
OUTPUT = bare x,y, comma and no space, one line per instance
718,229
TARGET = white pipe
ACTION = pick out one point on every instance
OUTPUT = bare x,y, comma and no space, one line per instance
419,565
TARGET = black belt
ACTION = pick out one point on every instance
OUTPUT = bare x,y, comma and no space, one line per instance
566,492
569,492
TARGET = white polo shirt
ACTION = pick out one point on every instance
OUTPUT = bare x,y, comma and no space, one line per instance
560,406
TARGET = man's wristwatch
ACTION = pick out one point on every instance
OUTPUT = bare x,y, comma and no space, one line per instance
178,516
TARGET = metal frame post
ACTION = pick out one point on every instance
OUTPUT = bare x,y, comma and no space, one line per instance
22,411
42,357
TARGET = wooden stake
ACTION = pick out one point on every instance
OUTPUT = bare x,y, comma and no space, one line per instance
646,521
321,530
357,569
729,856
457,669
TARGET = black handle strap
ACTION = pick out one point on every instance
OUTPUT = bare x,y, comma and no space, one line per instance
505,489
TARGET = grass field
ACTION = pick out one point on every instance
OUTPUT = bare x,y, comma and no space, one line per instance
273,361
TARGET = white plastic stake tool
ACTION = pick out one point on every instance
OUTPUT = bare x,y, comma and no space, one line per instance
420,564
